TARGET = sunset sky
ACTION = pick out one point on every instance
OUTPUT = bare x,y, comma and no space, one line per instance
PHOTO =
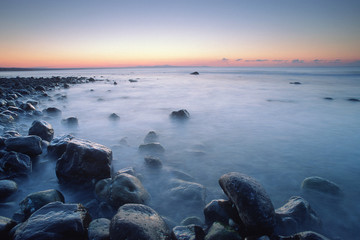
89,33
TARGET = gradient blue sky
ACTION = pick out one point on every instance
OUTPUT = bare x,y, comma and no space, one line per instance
46,33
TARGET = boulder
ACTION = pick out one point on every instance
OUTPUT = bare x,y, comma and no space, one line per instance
193,220
52,111
151,148
114,117
190,232
222,211
42,129
151,137
58,145
123,188
7,188
322,185
13,164
254,205
138,222
6,224
220,231
295,216
99,229
308,235
153,162
180,115
187,191
35,201
84,161
29,145
70,122
55,221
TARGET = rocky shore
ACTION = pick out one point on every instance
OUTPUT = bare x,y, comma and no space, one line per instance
119,206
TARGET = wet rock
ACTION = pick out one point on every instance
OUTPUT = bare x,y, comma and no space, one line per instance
138,222
153,162
322,185
328,98
13,164
181,175
99,229
151,137
70,122
353,100
180,115
114,117
7,188
35,201
194,73
6,119
222,211
295,83
9,134
29,145
58,145
191,220
6,224
220,231
297,210
254,205
15,109
42,129
123,188
52,111
55,221
128,170
151,148
308,235
187,191
40,88
132,80
84,161
66,86
32,102
190,232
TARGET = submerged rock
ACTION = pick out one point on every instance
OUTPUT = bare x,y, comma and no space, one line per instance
151,137
153,162
187,191
322,185
6,119
30,145
55,221
84,161
220,231
13,164
254,205
114,117
99,229
42,129
180,115
295,83
190,232
151,148
7,188
70,122
191,221
123,188
138,222
52,111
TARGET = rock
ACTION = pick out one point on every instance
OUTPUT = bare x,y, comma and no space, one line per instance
322,185
8,134
138,222
151,148
128,170
151,137
219,231
29,145
99,229
328,98
7,188
254,205
295,83
35,201
70,122
28,107
132,80
190,232
58,145
15,109
297,210
84,161
40,88
6,119
353,100
123,188
114,117
55,221
194,73
187,191
32,102
153,162
180,115
42,129
66,86
221,211
191,220
13,164
52,111
6,224
308,235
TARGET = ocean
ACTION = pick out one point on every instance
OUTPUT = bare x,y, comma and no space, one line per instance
248,120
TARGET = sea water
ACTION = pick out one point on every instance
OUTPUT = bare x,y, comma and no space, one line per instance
248,120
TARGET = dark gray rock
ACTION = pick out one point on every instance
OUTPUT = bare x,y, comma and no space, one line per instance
322,185
40,88
254,205
58,145
32,102
123,188
42,129
187,191
35,201
84,161
191,220
55,221
220,231
138,222
28,107
114,117
8,134
180,115
295,216
13,164
328,98
99,229
308,235
353,100
29,145
7,188
295,83
70,122
52,111
6,119
153,162
190,232
151,137
194,73
6,224
222,211
151,149
15,109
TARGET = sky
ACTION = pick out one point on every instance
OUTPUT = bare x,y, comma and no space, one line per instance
121,33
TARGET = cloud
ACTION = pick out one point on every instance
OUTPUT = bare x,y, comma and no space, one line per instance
280,60
335,61
239,59
319,61
224,59
261,60
297,61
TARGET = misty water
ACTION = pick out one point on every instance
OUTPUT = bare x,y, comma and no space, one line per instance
248,120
